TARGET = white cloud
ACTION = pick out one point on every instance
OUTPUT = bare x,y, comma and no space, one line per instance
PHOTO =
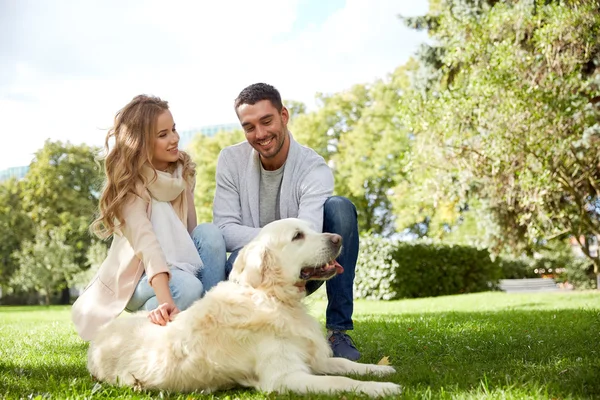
71,65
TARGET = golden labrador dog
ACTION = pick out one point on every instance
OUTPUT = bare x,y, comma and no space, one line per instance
251,331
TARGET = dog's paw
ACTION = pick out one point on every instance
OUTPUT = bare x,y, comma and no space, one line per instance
382,370
379,389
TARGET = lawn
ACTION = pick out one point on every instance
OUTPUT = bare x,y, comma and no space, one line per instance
477,346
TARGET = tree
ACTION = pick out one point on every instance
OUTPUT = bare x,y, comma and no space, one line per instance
338,113
61,189
295,108
358,133
514,118
96,254
371,156
45,264
15,226
205,150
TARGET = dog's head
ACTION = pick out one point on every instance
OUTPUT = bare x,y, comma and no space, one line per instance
287,253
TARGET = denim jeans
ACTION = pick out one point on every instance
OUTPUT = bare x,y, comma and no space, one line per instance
339,216
211,246
185,289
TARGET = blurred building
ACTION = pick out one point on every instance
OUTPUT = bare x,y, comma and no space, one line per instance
13,172
185,138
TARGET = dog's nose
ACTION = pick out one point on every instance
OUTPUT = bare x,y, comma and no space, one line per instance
335,239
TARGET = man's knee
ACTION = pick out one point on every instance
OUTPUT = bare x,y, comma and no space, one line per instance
339,204
339,215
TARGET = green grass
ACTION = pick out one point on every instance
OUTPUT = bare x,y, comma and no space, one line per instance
478,346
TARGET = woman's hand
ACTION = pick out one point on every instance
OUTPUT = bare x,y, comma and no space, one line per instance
167,308
163,314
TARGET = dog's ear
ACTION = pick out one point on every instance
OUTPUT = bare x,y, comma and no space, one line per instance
251,264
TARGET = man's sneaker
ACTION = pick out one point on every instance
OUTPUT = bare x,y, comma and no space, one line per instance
343,346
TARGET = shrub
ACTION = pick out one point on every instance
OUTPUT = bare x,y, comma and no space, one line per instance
579,273
516,268
558,263
376,269
388,269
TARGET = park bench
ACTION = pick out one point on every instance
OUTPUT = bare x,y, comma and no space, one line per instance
528,285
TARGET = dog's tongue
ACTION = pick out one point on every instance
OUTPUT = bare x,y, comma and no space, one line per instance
338,268
307,273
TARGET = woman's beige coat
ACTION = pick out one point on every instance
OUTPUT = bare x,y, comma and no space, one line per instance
133,250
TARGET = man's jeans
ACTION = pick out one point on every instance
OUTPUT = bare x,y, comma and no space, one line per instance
339,217
210,244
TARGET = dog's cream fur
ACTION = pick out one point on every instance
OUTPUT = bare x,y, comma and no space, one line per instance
251,331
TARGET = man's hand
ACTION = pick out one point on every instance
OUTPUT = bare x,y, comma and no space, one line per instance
163,314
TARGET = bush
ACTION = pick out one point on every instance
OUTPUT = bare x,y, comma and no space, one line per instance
579,273
376,269
516,268
558,263
388,270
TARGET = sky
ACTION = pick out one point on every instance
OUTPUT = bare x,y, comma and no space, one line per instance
67,66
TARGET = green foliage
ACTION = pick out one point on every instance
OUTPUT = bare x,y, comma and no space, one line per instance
61,189
371,157
63,178
390,269
376,269
45,264
580,274
96,254
44,219
323,129
516,268
359,134
205,150
512,118
558,261
295,108
15,226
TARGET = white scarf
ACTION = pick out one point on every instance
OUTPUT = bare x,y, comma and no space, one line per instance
165,186
169,219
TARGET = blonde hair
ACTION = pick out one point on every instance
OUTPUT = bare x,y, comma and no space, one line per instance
134,136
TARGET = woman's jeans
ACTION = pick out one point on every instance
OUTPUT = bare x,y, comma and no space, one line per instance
339,217
186,288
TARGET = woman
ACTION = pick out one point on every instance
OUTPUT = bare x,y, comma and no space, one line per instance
147,206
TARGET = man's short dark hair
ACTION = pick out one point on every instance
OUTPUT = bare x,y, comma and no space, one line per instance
258,92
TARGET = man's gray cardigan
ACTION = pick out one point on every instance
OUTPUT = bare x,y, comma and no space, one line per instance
307,182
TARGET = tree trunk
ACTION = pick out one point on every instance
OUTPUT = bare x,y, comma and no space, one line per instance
597,268
65,296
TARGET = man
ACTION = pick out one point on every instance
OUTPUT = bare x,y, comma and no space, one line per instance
269,177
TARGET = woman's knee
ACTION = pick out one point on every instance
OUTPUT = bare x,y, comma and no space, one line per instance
186,291
208,235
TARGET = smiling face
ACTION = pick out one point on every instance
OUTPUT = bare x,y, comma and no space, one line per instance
166,141
266,131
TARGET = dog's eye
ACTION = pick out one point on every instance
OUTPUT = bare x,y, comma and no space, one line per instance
298,236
